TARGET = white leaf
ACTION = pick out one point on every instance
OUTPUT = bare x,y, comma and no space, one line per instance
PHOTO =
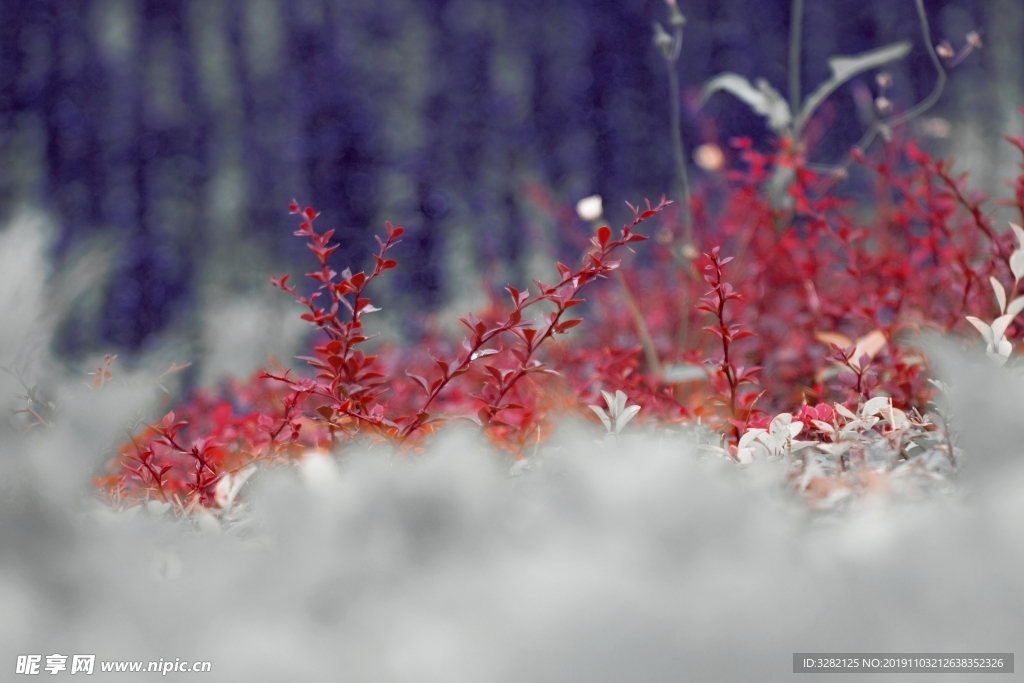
763,99
221,491
853,426
750,435
1017,263
824,426
997,287
999,326
779,426
1005,348
1016,306
1019,232
623,419
620,403
982,327
745,456
800,445
736,85
852,430
845,68
760,451
237,482
844,411
795,428
875,405
604,418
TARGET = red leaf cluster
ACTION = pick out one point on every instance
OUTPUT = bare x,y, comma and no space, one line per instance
823,303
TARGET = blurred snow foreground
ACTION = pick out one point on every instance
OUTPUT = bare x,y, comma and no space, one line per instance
630,559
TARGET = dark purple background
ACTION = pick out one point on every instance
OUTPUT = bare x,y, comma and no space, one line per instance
324,121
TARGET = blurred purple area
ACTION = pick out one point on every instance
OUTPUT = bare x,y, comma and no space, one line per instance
179,130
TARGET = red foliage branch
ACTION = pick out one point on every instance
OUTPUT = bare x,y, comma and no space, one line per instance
350,389
734,375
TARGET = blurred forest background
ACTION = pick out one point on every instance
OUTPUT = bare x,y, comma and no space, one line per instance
170,135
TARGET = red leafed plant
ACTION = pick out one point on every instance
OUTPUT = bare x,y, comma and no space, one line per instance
347,390
822,311
346,399
729,376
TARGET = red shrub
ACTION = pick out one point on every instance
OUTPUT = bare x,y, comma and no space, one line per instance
824,302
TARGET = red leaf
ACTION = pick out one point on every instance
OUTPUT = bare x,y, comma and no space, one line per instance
517,297
568,325
603,233
469,321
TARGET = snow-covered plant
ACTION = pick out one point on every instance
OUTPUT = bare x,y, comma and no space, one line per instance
618,415
788,117
997,346
844,452
775,441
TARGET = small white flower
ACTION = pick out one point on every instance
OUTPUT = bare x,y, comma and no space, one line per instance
709,156
590,208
